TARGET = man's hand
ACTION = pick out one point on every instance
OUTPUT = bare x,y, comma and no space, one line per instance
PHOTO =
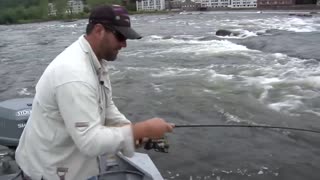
152,128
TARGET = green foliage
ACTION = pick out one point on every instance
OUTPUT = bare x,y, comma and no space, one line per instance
131,6
44,7
8,17
14,15
5,4
86,9
34,12
93,3
14,11
61,6
22,11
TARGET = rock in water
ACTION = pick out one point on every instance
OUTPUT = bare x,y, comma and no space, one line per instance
223,32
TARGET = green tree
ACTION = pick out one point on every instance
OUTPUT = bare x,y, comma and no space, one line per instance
15,10
44,7
93,3
34,12
8,16
131,6
61,6
21,13
5,4
86,10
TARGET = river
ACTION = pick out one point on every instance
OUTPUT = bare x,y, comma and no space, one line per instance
181,71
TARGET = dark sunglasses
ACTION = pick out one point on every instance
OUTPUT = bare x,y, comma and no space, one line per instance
118,35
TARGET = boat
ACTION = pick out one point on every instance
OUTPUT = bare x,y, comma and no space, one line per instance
138,167
14,114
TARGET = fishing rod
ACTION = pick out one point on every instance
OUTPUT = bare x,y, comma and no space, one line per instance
244,126
161,145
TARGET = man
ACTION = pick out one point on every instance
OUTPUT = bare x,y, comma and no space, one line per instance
74,119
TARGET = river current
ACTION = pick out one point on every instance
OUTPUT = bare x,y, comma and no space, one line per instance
181,71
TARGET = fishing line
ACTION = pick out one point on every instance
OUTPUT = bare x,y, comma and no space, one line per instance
244,126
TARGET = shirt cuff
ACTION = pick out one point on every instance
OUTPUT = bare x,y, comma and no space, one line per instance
128,144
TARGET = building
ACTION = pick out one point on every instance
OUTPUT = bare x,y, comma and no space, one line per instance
212,4
189,5
318,2
52,11
174,4
274,3
74,6
150,5
243,4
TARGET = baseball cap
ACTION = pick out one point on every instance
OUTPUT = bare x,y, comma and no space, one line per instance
115,16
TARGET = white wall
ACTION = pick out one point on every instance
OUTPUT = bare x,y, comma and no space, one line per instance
75,6
243,4
214,3
150,5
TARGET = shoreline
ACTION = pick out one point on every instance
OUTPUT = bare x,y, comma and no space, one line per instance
315,11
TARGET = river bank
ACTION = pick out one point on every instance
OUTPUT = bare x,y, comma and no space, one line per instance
75,17
313,11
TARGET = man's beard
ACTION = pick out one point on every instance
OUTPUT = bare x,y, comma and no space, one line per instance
111,57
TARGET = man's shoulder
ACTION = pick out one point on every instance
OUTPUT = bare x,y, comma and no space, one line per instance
72,65
72,53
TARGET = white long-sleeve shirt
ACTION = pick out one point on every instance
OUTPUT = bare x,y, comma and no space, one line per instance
73,120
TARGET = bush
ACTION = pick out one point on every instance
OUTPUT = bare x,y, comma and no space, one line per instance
15,15
8,16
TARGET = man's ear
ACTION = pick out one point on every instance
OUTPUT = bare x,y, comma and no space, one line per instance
99,30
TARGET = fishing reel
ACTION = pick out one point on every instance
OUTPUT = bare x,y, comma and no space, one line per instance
159,145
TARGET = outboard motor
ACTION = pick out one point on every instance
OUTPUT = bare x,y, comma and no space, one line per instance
14,114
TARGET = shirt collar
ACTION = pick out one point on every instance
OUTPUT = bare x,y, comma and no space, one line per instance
85,46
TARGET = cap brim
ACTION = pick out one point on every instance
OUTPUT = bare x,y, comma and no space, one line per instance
128,32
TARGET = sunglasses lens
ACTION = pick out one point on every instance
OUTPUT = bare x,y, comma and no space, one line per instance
119,36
